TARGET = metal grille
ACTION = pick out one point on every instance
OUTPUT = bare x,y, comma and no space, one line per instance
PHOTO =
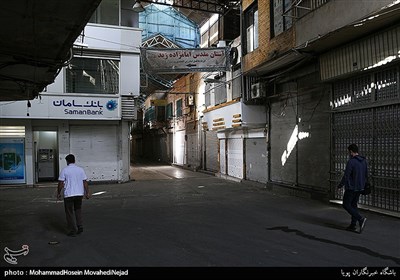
377,133
382,85
128,108
362,89
303,7
341,94
351,127
387,84
356,92
385,167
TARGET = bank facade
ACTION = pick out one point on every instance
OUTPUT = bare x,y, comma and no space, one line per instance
87,111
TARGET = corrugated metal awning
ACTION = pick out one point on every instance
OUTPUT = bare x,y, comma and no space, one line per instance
377,21
269,66
373,51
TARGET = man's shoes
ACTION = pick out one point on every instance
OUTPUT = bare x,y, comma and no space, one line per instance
362,225
80,230
351,228
72,233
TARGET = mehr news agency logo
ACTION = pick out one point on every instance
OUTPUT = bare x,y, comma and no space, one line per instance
10,255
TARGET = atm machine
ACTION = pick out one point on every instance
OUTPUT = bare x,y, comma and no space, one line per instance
46,164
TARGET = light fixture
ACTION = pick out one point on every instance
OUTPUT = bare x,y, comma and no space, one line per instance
137,7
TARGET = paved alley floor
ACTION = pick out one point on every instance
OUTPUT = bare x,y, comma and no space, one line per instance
182,218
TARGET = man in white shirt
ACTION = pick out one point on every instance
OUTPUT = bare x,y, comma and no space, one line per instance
74,181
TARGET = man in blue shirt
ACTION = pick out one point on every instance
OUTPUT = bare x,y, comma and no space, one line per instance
353,181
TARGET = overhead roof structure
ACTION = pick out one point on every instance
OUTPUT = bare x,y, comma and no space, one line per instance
163,24
198,10
210,6
36,39
152,83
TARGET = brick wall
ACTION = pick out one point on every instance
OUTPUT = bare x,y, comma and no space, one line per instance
247,3
186,84
268,48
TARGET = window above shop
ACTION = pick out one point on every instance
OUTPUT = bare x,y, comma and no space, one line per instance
251,28
115,12
92,75
209,32
281,16
106,13
169,112
179,108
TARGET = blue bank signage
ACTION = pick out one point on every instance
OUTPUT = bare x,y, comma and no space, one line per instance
65,107
83,107
12,161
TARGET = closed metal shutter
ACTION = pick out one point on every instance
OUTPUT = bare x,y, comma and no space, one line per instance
192,150
300,135
256,160
235,157
313,160
283,135
170,152
211,151
375,128
179,148
163,148
222,156
96,150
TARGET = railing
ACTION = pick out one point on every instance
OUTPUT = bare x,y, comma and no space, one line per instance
300,8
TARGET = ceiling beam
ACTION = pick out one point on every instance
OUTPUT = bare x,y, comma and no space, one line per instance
209,6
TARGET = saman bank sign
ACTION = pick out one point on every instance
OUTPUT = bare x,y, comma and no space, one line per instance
92,107
65,107
84,107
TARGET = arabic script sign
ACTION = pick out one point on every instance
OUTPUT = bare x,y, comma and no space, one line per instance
166,61
75,107
65,107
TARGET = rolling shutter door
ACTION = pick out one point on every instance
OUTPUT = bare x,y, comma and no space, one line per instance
96,150
256,160
211,148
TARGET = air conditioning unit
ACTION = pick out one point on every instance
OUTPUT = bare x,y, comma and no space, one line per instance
257,90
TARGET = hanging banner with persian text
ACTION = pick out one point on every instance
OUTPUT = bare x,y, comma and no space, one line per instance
167,61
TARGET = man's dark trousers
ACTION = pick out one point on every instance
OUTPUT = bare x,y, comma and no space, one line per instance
73,211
